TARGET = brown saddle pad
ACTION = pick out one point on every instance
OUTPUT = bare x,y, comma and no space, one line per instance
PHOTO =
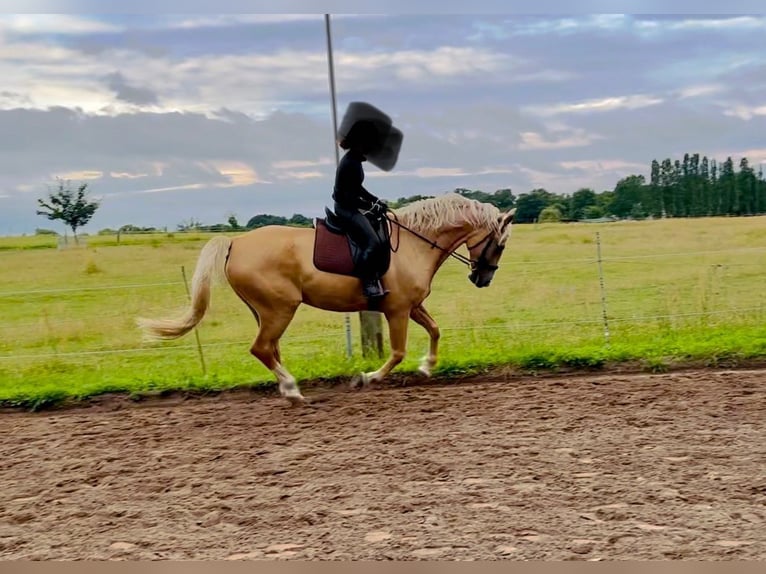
332,252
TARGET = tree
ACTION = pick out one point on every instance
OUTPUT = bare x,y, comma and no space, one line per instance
746,188
705,208
264,219
593,212
727,183
529,205
627,194
191,225
233,223
581,200
298,220
69,205
402,201
666,183
503,199
655,202
550,214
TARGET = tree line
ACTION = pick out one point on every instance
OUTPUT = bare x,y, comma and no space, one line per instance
691,187
688,187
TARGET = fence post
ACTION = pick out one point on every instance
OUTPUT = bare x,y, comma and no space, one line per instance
196,333
603,290
371,323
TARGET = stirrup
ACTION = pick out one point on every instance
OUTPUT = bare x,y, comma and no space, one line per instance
373,289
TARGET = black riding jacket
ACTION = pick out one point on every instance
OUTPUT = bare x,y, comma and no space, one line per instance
348,190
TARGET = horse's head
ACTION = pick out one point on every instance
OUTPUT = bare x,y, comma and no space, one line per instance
485,248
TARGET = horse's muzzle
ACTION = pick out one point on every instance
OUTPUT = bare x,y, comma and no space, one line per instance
480,279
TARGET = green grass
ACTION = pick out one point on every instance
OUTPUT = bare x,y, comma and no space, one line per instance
67,329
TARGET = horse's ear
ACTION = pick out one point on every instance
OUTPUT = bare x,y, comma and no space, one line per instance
507,218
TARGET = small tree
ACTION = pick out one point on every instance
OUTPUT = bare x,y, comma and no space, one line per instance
233,223
190,225
69,205
550,214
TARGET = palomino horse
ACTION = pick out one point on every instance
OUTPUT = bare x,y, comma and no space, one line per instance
271,269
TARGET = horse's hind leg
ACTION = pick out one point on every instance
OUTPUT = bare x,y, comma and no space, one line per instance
422,318
266,349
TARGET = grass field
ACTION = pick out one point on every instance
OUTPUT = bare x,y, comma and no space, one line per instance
676,290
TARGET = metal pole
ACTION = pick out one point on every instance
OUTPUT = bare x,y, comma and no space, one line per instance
331,68
196,332
603,289
335,143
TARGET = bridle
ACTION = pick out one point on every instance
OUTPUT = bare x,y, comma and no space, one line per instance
474,264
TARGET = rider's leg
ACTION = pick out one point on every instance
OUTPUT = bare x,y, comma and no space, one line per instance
362,232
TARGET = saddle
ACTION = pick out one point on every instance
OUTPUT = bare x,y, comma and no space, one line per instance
335,251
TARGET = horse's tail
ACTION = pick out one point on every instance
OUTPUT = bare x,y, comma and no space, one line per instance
210,266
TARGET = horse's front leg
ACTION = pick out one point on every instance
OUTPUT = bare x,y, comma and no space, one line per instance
397,330
422,318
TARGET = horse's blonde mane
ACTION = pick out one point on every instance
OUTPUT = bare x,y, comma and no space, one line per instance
433,214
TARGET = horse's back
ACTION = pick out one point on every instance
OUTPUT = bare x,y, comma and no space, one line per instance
270,246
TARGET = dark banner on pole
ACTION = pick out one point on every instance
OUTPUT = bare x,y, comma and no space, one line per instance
365,124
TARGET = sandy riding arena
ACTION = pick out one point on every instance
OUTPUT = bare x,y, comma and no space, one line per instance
587,467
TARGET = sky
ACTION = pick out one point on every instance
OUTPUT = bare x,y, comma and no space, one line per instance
171,119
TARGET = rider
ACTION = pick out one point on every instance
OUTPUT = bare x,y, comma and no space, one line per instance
351,199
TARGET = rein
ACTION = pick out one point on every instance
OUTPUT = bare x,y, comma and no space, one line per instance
462,258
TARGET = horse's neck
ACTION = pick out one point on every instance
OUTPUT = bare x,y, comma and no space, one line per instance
421,257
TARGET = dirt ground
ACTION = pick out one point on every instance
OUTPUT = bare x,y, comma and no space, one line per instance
588,467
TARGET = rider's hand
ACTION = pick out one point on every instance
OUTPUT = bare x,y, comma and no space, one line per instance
375,208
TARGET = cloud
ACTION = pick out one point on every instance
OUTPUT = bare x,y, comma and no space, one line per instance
228,20
238,173
78,175
300,175
745,112
641,25
253,82
755,156
439,172
537,141
296,164
10,99
126,175
601,166
551,179
699,90
185,187
716,24
127,93
442,172
65,24
559,26
630,102
420,66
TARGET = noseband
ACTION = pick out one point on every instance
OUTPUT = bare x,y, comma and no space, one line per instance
482,260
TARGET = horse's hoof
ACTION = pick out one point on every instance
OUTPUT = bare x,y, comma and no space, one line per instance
425,366
357,382
360,381
296,400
